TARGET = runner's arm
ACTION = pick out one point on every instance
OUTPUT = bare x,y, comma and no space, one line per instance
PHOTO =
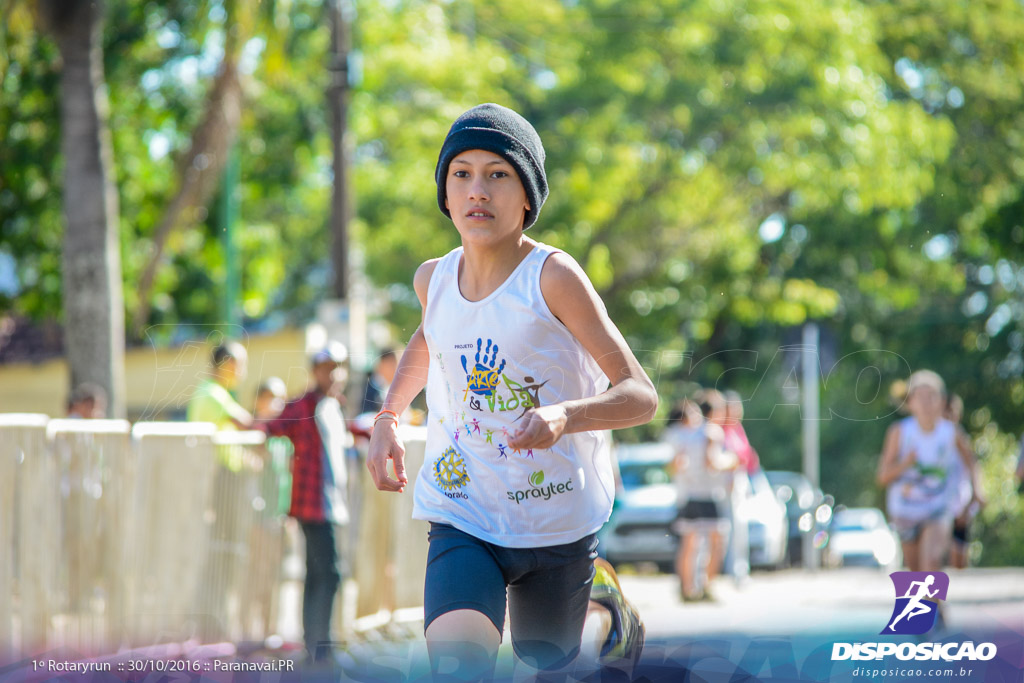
410,378
631,400
241,417
889,467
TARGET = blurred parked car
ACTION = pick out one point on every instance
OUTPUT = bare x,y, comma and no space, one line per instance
766,523
808,511
639,528
860,537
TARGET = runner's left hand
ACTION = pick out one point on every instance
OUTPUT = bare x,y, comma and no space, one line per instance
540,427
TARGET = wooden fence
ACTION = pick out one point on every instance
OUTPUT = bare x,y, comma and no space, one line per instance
115,536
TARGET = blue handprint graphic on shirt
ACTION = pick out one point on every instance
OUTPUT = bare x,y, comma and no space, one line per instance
483,378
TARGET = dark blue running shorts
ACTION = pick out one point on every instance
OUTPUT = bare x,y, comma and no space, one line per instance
548,590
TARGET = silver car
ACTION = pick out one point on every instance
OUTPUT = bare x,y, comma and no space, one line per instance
645,507
860,537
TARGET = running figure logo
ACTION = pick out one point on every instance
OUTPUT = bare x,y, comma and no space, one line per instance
917,606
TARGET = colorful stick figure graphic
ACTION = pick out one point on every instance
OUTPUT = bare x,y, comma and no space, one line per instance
476,425
529,453
489,435
483,378
516,451
533,393
501,451
450,470
469,430
456,435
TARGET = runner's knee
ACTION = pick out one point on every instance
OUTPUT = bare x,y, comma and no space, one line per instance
462,645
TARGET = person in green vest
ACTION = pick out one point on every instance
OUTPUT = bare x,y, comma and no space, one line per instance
213,402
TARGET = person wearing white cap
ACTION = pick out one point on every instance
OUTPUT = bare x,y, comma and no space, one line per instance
317,430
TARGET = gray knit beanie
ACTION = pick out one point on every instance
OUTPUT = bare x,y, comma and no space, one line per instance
497,129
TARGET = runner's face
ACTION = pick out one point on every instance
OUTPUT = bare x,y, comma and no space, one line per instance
485,196
925,402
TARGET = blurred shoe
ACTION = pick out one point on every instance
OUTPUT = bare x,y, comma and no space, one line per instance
625,641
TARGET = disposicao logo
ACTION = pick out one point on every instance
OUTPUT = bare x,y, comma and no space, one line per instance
917,602
915,612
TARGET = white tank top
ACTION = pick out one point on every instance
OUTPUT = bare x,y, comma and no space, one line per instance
929,489
697,480
490,361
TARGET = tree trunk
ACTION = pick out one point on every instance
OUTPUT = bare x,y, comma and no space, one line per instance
338,99
199,173
93,296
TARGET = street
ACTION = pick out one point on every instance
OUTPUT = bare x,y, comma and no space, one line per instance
779,626
795,602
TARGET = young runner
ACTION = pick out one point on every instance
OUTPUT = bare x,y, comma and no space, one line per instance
918,469
516,352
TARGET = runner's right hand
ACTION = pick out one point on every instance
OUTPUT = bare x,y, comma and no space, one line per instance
911,461
385,445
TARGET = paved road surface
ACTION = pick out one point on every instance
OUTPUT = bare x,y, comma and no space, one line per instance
794,617
795,602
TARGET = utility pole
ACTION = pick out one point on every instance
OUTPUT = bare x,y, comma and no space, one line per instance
341,315
809,416
338,95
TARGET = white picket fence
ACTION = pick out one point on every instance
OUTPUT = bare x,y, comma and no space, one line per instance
113,536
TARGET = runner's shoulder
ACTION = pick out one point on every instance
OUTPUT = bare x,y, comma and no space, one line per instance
562,270
566,287
421,280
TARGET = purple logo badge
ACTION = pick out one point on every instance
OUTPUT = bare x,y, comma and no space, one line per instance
917,602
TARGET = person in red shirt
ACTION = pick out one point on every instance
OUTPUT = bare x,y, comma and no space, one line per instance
316,427
735,436
747,463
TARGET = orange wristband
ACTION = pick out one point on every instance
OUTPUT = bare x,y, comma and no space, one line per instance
385,413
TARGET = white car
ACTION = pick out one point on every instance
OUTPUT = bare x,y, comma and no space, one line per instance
767,526
860,537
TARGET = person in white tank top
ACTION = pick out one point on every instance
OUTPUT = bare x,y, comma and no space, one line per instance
702,469
517,352
918,468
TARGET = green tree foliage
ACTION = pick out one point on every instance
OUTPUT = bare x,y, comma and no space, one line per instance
30,210
1002,519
